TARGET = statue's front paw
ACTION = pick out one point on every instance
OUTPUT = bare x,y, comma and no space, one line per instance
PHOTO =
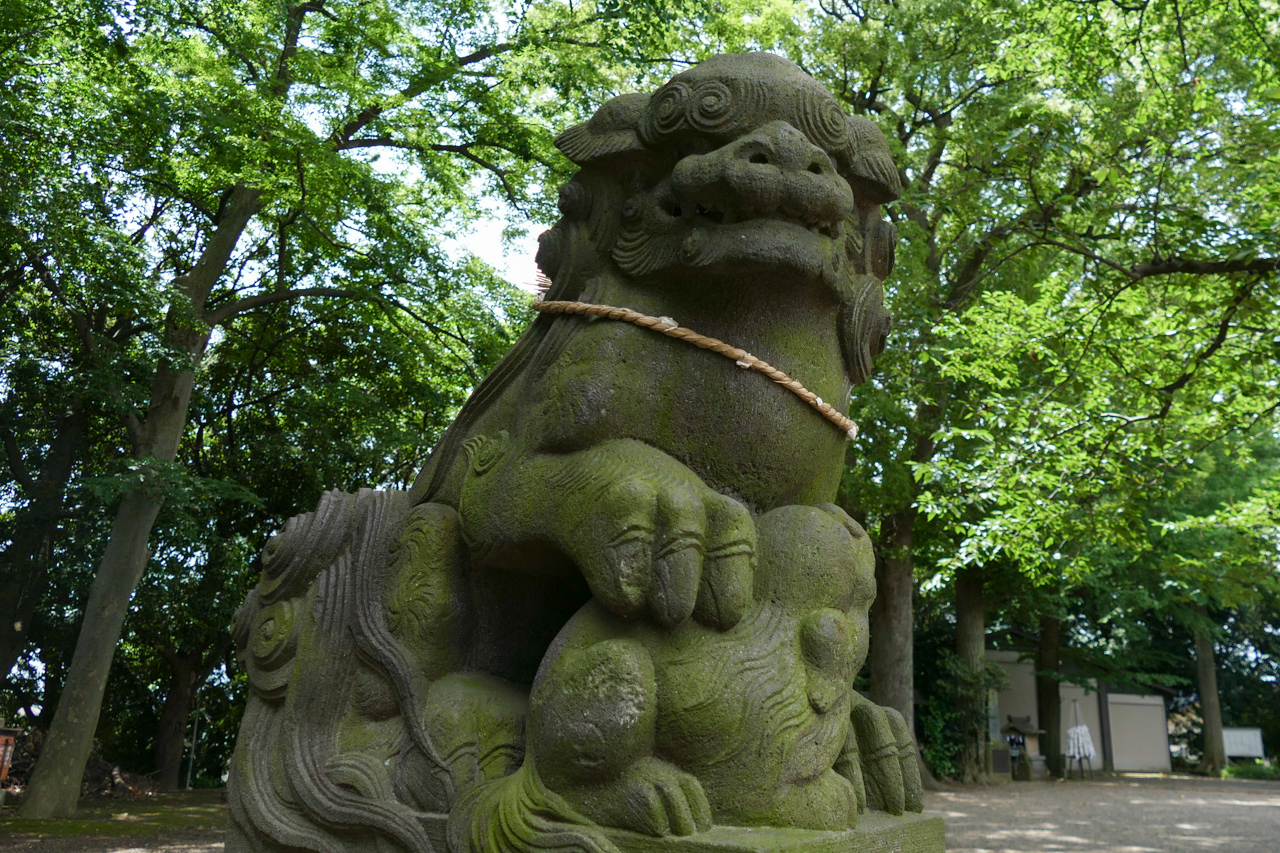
657,541
649,536
652,797
880,759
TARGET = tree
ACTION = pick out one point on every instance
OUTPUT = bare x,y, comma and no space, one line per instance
971,652
1084,269
1048,697
1225,558
229,155
1213,758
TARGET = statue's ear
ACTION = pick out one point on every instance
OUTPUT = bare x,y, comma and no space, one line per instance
612,130
867,163
862,327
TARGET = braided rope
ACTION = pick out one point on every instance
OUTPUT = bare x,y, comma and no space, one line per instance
672,329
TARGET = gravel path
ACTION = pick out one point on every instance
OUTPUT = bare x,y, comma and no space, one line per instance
1124,815
1120,815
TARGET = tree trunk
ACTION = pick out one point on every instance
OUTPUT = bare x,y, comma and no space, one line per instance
971,640
1048,696
24,563
55,782
24,568
172,734
187,673
891,655
927,780
1213,759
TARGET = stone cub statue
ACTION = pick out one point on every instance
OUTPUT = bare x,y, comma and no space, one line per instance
610,487
668,731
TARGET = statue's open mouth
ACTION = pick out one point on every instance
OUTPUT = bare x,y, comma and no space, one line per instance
770,199
704,235
711,214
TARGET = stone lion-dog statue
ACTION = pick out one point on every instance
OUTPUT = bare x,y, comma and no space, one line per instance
617,608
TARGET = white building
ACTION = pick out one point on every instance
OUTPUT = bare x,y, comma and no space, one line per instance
1129,730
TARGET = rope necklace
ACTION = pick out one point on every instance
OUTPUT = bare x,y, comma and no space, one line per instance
672,329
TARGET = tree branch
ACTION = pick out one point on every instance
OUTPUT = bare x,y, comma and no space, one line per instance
1086,253
293,31
216,651
415,88
78,320
17,466
1224,326
1186,265
241,205
225,312
484,53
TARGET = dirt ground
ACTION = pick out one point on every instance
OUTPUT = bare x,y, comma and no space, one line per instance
189,822
1127,814
1118,815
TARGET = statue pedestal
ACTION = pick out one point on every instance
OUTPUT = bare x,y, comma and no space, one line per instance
876,833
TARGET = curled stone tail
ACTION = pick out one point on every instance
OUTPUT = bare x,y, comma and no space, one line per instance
518,814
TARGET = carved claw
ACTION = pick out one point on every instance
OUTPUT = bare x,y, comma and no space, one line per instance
656,798
647,534
880,760
912,786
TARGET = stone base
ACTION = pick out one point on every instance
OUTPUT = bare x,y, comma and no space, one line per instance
876,833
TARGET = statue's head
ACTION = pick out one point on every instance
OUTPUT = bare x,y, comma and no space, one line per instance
741,169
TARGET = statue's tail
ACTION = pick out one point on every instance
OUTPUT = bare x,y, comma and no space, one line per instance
519,814
316,616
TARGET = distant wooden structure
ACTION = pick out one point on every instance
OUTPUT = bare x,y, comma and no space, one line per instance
1131,729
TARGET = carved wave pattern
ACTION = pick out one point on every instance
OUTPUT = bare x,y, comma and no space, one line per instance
763,691
865,155
640,253
612,130
519,814
861,326
716,107
289,786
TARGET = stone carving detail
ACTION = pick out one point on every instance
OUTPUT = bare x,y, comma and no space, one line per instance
617,608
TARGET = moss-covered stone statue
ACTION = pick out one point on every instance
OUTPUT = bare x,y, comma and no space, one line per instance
617,611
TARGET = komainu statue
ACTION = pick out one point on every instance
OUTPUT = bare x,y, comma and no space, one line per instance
618,610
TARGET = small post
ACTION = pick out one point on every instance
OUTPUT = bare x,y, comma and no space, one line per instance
195,734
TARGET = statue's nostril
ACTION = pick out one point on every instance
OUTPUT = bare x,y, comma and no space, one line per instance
759,157
816,168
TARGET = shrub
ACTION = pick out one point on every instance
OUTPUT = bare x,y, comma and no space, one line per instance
1254,770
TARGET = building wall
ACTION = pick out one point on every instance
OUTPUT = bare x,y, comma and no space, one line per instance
1139,733
1139,730
1020,699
